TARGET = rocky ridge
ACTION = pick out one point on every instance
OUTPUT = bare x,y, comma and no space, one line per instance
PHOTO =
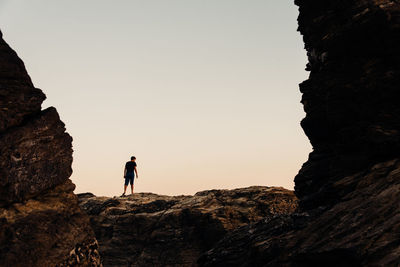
146,229
41,223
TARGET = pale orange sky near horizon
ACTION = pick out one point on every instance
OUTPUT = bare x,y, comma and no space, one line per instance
204,93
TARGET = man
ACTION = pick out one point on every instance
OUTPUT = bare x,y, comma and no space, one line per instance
129,174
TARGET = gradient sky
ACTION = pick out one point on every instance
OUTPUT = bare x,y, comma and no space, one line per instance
203,92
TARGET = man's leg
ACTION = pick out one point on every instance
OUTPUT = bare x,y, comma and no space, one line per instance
125,186
131,182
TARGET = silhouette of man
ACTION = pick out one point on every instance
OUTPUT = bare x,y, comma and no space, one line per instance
129,174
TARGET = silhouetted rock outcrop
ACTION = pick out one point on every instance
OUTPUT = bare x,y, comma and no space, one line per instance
41,223
153,230
350,186
351,97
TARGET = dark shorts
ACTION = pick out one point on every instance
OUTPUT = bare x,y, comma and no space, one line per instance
129,178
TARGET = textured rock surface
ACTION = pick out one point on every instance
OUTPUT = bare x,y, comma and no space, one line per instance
361,230
349,188
18,98
41,223
255,244
152,230
351,97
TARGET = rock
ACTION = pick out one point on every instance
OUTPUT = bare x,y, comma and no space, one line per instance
351,98
253,244
358,231
18,98
153,230
44,230
41,223
34,157
349,188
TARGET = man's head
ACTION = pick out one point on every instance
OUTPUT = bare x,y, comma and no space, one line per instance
133,158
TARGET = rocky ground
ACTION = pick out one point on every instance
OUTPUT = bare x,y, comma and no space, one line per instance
152,230
361,230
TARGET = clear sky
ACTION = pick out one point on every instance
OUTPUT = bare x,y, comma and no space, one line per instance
203,92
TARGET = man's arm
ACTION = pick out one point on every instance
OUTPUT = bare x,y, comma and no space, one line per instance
137,176
125,172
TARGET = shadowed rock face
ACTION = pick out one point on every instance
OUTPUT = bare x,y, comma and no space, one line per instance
350,186
34,157
361,230
41,223
153,230
18,98
351,97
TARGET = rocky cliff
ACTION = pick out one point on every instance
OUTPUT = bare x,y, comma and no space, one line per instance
153,230
349,188
351,98
41,223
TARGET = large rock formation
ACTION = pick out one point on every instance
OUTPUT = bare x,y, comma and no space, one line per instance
349,188
152,230
41,223
352,97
